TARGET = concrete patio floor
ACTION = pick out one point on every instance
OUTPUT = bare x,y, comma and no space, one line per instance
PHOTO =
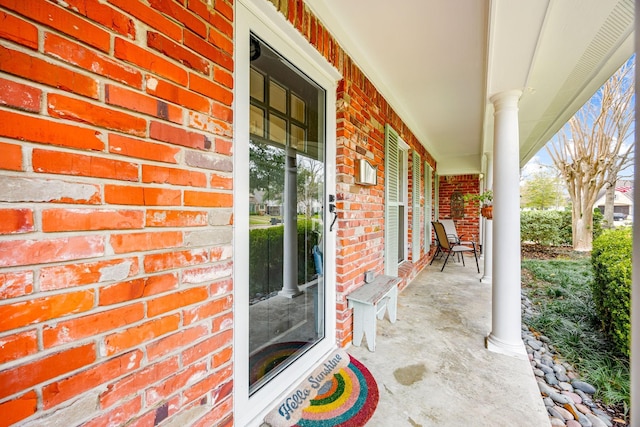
432,367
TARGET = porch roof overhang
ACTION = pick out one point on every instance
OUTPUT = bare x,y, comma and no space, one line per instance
439,62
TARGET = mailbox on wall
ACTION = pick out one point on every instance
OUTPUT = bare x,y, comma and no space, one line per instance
366,173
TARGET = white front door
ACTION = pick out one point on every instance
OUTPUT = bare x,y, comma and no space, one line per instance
284,176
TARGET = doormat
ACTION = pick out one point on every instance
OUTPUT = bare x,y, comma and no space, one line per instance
347,397
271,356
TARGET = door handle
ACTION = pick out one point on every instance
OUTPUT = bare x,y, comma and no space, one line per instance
332,209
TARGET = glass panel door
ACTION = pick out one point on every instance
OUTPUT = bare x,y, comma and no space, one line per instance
287,188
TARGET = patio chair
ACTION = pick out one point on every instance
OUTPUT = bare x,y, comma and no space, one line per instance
452,233
448,248
454,237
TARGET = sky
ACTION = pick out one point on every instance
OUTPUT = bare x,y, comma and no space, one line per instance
538,163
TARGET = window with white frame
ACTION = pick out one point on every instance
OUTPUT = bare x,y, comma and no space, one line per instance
396,196
428,205
415,208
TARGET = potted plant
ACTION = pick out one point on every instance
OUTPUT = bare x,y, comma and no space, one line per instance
485,201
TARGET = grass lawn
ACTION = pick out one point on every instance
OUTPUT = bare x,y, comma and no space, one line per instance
560,291
266,219
260,219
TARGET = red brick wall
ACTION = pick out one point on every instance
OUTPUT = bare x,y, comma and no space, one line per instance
115,184
116,218
362,114
469,224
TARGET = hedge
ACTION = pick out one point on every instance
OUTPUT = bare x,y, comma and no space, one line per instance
598,217
553,227
611,287
565,229
266,251
541,227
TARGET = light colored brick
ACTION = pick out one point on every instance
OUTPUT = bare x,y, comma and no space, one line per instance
17,189
211,237
209,161
220,216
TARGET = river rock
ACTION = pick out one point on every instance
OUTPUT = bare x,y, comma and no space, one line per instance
565,386
603,416
559,369
568,399
584,386
584,421
547,360
606,420
585,399
581,393
534,344
583,408
576,398
545,389
566,415
560,398
551,379
553,411
546,369
595,420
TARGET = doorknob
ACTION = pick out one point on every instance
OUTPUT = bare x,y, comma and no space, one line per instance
332,209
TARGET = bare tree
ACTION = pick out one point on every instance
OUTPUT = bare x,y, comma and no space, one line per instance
310,180
593,147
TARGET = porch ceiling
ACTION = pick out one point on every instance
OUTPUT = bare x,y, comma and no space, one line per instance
439,61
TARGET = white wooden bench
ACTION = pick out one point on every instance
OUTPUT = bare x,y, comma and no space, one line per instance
370,302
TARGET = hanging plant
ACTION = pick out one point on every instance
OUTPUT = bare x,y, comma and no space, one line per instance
487,211
485,201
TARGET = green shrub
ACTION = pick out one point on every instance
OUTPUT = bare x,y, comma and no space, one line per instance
265,268
611,287
267,254
598,217
565,231
540,227
553,227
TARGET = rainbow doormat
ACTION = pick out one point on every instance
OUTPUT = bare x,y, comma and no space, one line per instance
342,392
270,357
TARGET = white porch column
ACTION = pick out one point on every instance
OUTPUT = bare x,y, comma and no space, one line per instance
487,246
505,336
290,287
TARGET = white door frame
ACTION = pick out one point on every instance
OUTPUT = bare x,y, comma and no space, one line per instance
261,17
